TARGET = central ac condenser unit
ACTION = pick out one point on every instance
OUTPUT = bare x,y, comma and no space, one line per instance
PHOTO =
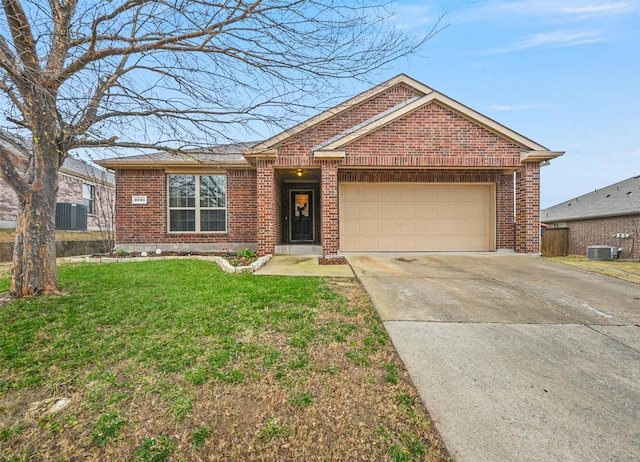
601,252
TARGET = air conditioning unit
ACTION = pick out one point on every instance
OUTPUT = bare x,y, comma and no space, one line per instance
601,252
71,217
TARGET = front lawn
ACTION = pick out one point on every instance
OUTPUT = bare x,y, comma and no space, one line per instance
176,360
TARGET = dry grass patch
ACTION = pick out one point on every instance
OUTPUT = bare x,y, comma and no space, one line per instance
175,360
8,235
626,270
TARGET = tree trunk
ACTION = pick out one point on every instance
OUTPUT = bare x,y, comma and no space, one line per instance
34,269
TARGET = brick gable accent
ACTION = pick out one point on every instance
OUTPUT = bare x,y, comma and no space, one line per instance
297,151
433,136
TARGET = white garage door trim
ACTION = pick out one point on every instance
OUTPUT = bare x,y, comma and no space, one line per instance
417,217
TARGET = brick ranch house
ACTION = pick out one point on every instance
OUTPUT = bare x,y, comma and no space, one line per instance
400,167
79,182
606,216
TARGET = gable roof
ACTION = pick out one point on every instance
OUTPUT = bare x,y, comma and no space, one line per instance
622,198
532,151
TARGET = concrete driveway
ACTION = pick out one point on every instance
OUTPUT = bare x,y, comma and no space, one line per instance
516,358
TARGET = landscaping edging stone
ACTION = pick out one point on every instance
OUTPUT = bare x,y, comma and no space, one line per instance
221,262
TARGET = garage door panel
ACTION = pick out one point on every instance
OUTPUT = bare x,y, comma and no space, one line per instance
417,217
389,211
423,210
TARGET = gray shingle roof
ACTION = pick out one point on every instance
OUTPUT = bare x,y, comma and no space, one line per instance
87,170
221,155
622,198
220,152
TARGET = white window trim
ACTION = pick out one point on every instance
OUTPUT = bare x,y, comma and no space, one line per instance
197,204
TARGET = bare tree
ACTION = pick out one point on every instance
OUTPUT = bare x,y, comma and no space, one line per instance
163,74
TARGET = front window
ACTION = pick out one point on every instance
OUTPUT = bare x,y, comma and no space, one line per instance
197,203
88,196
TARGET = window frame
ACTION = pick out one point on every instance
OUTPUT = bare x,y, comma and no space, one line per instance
89,203
197,207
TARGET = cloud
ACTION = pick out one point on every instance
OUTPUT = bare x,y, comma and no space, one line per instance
551,10
555,39
412,16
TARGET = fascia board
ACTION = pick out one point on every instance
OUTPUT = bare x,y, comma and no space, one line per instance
121,164
539,156
329,154
489,124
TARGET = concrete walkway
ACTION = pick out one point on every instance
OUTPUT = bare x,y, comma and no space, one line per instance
302,265
516,358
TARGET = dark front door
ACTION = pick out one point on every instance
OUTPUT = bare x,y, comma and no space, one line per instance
301,215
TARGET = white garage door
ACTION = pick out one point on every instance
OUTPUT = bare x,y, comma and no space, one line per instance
416,217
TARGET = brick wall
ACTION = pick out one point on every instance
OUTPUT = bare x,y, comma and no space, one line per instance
267,205
147,224
602,231
69,190
330,223
432,136
528,209
8,203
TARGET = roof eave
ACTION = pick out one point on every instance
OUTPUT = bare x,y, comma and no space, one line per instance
539,155
122,164
593,217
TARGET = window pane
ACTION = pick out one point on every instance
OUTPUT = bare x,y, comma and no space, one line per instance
213,191
182,220
182,191
212,220
87,196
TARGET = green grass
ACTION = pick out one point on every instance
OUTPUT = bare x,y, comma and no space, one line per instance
167,358
140,317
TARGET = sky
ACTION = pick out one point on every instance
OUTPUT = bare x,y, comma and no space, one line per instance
564,73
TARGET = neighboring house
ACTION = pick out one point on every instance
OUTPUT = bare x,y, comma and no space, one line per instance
607,216
400,167
78,183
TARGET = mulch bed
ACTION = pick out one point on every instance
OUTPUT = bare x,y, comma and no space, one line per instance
332,261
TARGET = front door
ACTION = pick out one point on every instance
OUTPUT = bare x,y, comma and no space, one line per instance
301,227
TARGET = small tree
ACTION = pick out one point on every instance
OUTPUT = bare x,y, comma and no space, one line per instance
161,74
104,210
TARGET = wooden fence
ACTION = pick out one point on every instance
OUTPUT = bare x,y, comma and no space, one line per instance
555,242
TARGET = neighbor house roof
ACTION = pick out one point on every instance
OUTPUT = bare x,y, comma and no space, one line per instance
531,151
222,156
618,199
71,165
84,170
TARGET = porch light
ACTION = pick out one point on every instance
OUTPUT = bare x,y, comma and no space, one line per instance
299,172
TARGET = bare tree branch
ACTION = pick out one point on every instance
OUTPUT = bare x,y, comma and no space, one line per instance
169,75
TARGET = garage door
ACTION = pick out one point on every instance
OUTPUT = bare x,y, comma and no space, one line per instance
416,217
